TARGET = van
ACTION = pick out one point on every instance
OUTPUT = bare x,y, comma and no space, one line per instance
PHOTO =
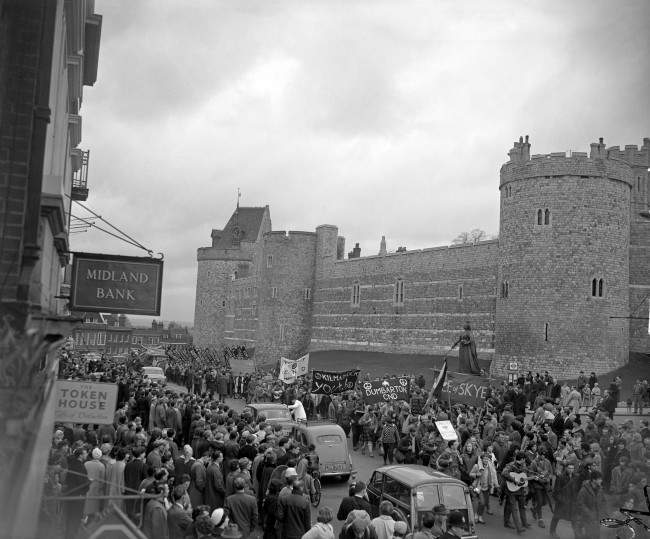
331,446
413,490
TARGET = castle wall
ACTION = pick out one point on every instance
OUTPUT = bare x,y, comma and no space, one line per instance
442,288
550,319
639,247
284,305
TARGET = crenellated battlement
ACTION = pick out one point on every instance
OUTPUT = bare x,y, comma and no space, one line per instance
608,163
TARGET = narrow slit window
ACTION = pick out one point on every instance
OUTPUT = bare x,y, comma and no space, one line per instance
547,217
540,217
398,298
460,291
356,295
600,288
594,284
546,331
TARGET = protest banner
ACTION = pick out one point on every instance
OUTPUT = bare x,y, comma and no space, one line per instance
242,366
331,383
290,369
85,402
446,430
390,390
465,389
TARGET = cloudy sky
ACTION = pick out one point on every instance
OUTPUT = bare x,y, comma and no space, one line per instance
382,117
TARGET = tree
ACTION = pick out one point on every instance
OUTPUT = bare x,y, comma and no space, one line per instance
473,236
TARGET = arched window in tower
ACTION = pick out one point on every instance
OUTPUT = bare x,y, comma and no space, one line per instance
547,216
504,289
540,217
546,331
594,287
601,285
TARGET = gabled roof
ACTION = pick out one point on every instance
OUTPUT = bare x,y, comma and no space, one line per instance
248,220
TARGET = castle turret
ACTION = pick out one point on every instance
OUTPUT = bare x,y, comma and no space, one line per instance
563,268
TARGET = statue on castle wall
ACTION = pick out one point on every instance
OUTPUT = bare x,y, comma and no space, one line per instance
467,357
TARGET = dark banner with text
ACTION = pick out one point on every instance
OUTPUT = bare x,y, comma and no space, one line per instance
116,284
391,390
465,389
331,383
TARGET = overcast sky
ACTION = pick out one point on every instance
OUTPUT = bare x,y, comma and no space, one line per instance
384,118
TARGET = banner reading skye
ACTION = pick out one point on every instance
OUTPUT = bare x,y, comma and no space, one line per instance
465,388
331,383
392,390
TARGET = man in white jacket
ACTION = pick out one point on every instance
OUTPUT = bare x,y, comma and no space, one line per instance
384,524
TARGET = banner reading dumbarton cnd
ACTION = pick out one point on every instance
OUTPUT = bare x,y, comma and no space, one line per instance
331,383
391,390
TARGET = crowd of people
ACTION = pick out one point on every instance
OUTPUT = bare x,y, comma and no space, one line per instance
196,468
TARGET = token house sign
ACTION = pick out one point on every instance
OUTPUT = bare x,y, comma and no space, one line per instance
117,284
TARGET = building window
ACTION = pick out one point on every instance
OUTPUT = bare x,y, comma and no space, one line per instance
540,217
307,294
269,261
547,217
356,295
546,331
254,309
597,288
460,291
274,292
398,296
505,289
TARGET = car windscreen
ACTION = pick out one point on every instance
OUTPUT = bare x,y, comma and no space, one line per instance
329,439
279,413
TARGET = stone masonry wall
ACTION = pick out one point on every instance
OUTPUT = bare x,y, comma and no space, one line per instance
284,305
442,288
549,319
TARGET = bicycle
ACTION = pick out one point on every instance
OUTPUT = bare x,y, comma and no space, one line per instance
627,523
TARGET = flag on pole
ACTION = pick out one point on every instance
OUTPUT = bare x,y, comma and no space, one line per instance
436,389
440,380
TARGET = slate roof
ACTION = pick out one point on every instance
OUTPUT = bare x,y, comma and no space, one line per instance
249,221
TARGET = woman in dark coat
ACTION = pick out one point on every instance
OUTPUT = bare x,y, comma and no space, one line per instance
76,484
270,509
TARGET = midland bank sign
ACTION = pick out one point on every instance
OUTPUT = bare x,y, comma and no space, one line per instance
118,284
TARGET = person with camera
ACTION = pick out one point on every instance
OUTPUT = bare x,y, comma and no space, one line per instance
485,482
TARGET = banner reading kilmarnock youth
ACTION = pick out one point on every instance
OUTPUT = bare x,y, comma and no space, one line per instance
85,402
331,383
466,389
387,390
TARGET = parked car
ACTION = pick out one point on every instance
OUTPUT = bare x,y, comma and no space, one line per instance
331,446
155,375
414,490
274,412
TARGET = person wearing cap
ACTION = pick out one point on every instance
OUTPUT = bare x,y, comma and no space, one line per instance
357,526
219,520
515,501
97,476
591,506
290,478
356,501
455,526
178,520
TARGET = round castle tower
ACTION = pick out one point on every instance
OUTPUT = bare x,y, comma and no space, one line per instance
563,267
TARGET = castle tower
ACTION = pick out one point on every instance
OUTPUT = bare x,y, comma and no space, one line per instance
231,263
382,246
563,265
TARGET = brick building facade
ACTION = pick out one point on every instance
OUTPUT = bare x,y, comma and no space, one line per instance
564,288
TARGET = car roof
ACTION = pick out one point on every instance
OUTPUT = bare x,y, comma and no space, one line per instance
152,368
321,428
414,474
266,405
